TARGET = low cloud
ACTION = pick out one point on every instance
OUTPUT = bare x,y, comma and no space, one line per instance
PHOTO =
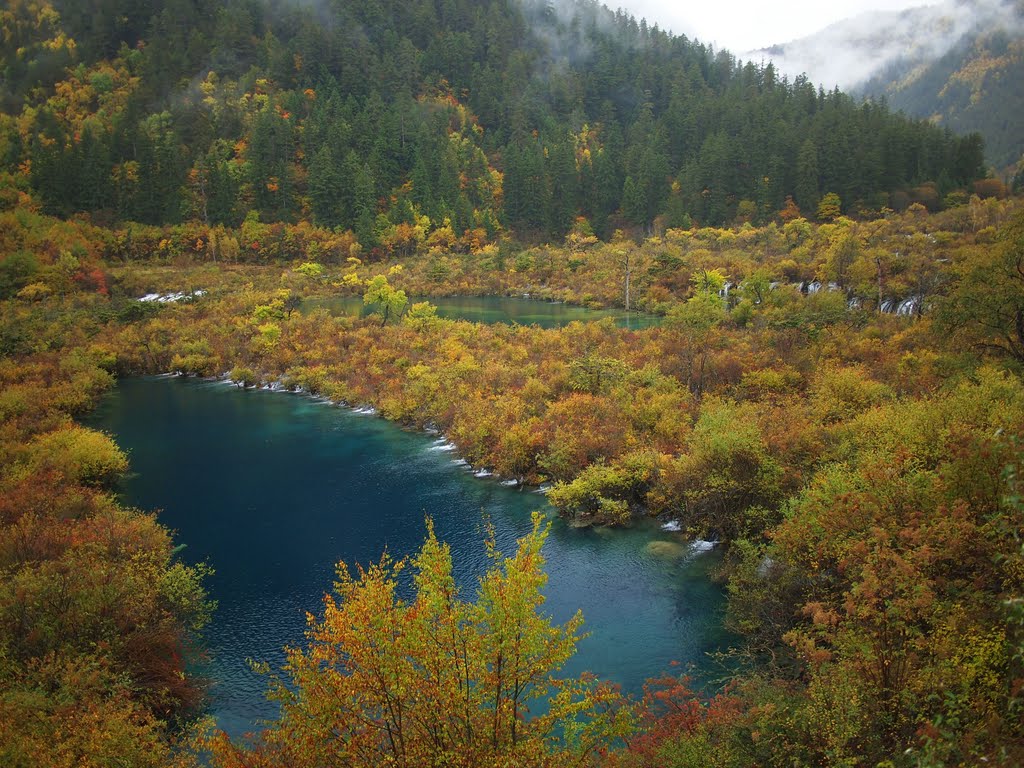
849,52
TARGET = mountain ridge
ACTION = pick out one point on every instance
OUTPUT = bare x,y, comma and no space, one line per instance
390,117
957,63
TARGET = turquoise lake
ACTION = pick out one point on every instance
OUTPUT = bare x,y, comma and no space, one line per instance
273,489
498,309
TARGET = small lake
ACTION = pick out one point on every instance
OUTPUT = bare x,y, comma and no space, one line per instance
273,490
497,309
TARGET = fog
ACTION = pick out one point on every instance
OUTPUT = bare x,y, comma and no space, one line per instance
849,52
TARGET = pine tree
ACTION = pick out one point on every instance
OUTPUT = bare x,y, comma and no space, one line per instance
807,191
326,189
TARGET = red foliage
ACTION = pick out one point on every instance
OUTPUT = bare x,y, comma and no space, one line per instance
671,709
92,279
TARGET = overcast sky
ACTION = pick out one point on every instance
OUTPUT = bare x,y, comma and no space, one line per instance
746,25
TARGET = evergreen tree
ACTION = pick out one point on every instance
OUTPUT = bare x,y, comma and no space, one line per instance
326,189
807,191
161,171
269,158
439,97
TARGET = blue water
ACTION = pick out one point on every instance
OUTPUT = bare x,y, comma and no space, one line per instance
273,490
498,309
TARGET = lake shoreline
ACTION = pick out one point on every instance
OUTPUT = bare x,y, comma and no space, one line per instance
490,308
665,521
587,567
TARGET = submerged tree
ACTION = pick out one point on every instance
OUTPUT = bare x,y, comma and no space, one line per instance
437,680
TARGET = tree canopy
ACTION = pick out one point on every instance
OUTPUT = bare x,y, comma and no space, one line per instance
436,679
372,117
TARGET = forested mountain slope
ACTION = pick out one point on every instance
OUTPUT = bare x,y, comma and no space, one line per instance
973,87
957,63
253,160
382,115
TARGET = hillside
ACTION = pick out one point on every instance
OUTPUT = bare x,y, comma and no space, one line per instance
824,400
957,63
973,87
399,119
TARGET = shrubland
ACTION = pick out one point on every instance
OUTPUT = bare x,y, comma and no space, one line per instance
859,464
833,392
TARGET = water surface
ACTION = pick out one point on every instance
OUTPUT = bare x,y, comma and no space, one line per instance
273,489
497,309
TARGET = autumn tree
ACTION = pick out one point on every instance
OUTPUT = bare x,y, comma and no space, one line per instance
436,679
790,211
904,560
98,617
726,471
829,207
842,252
391,301
694,324
986,306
